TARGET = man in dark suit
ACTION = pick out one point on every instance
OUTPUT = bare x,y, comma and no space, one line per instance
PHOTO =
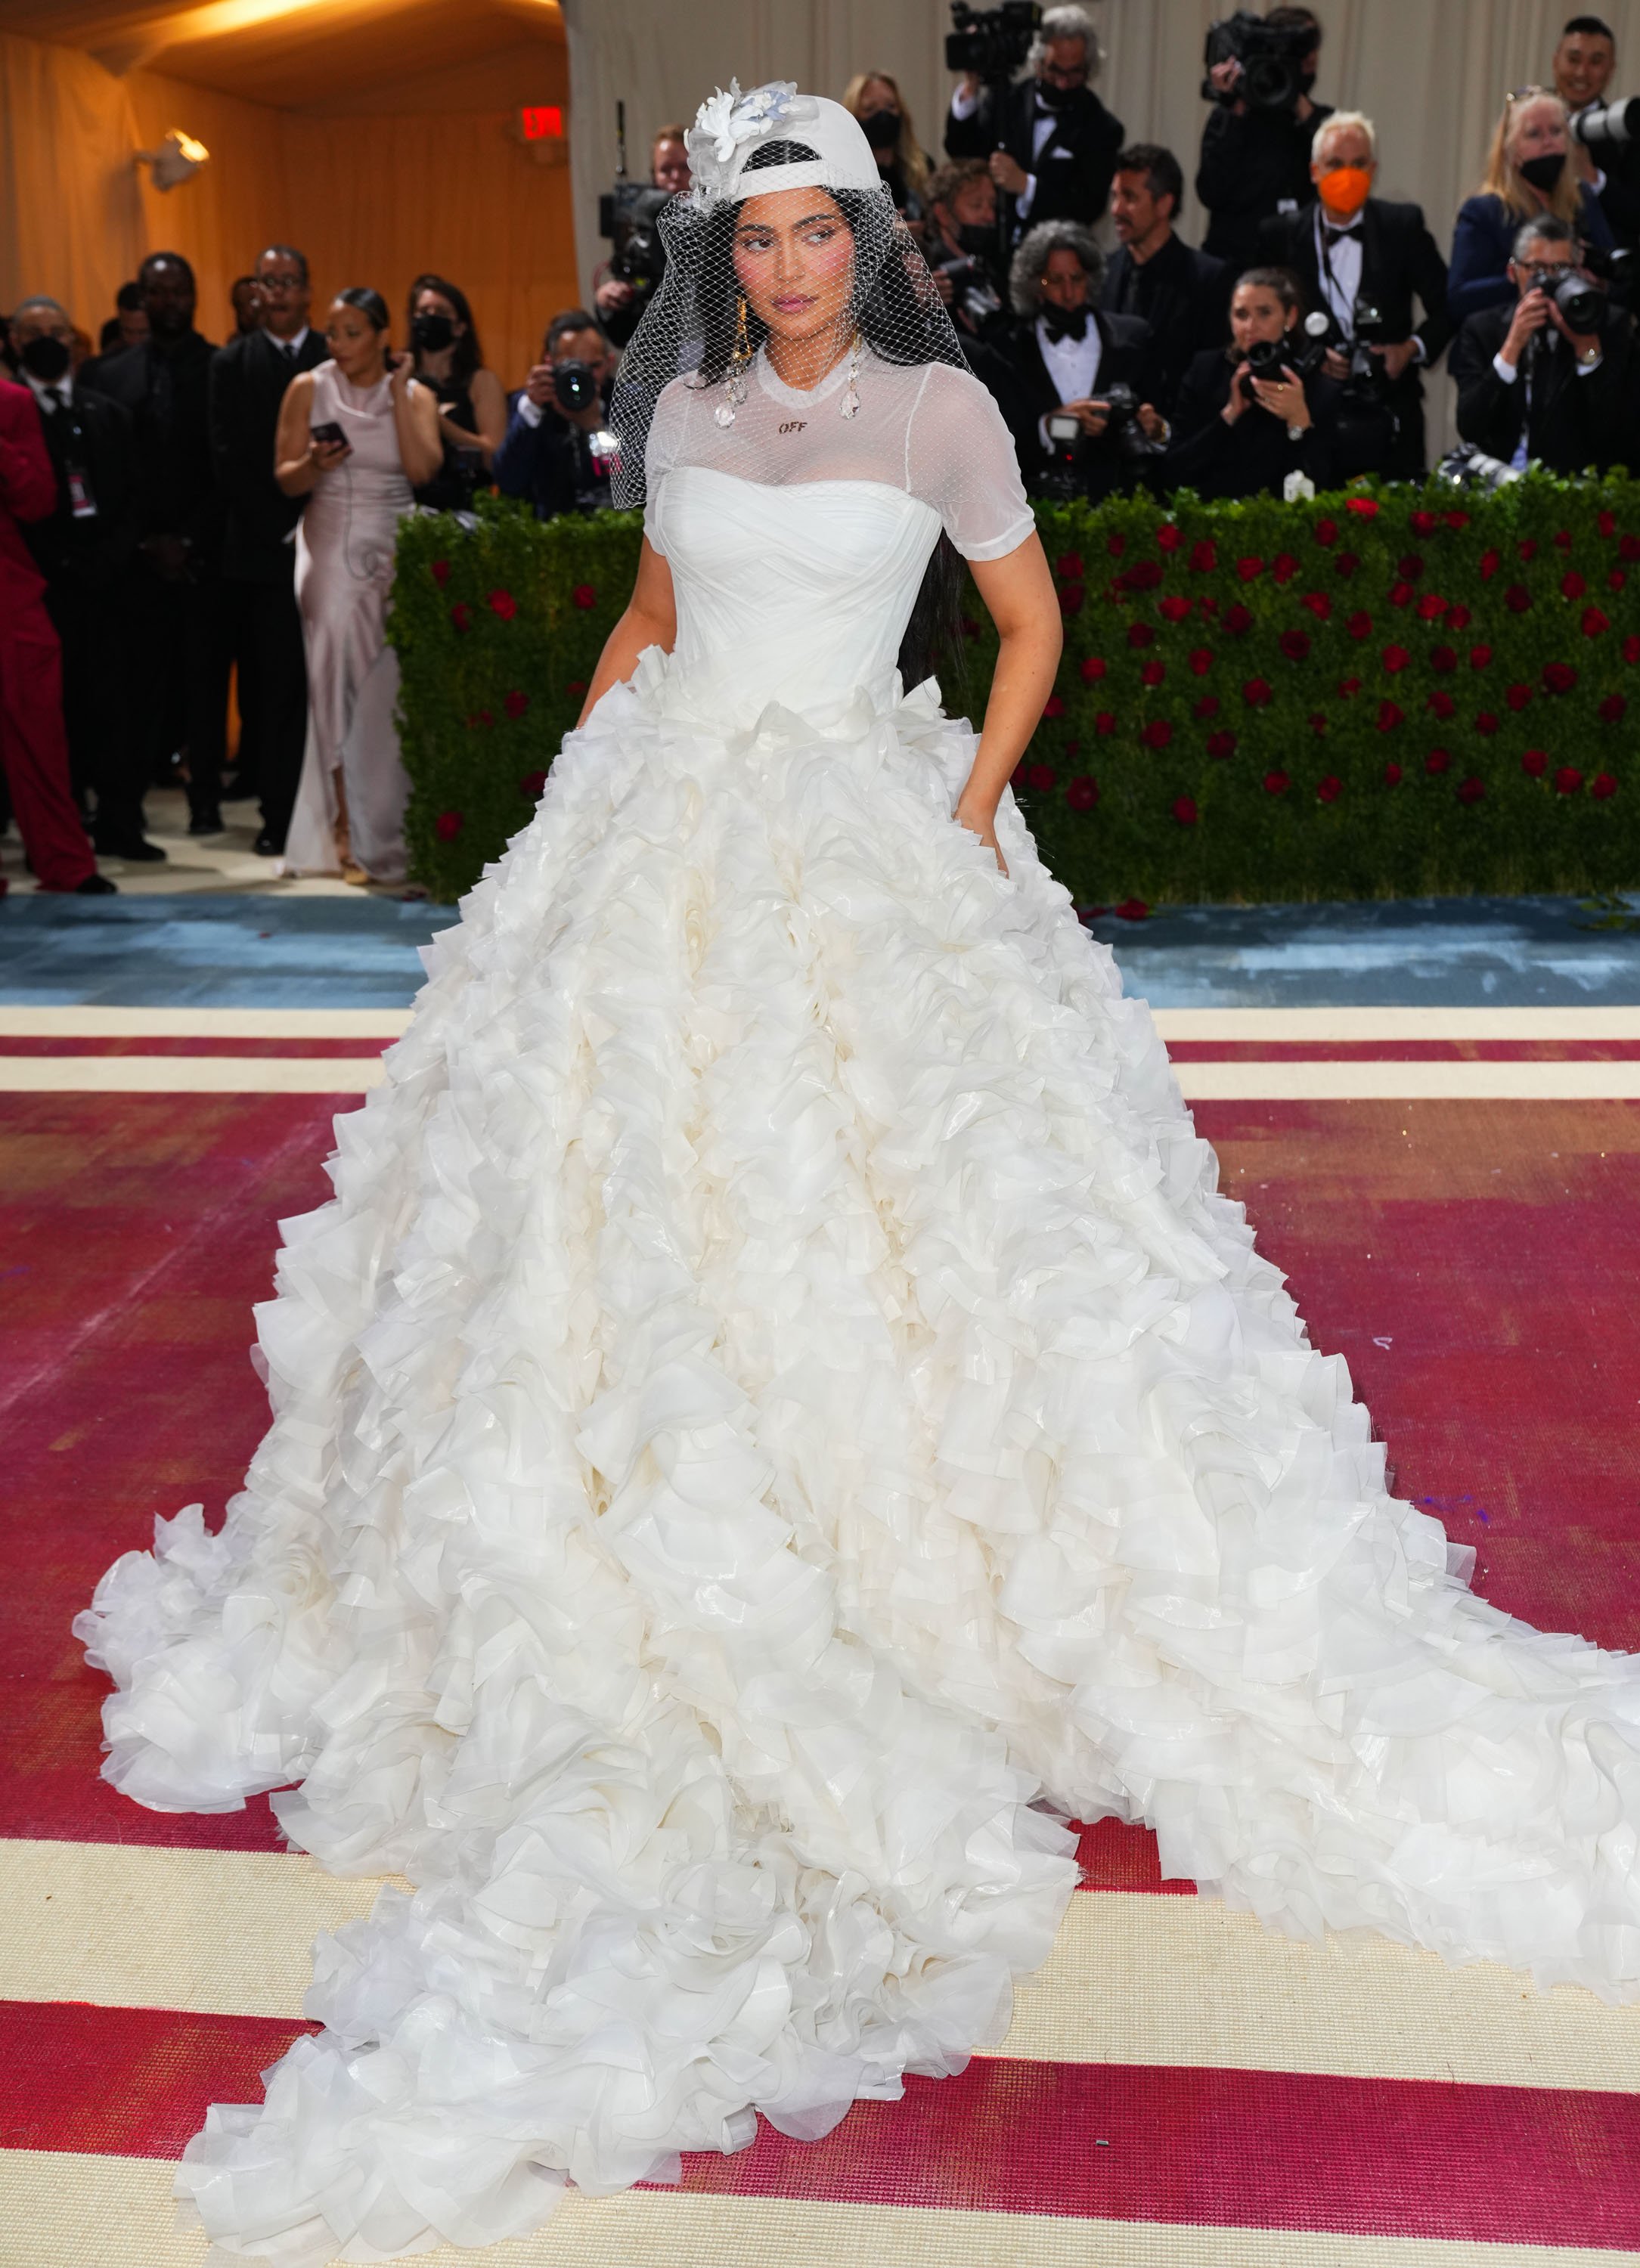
84,549
1182,294
182,683
1063,356
548,457
1584,64
1352,251
1049,140
247,385
1255,163
1529,386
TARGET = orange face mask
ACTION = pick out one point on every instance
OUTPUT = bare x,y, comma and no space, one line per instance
1344,190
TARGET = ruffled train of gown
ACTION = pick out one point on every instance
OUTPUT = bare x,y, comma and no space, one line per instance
776,1418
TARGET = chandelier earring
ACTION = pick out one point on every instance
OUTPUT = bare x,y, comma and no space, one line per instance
740,362
851,392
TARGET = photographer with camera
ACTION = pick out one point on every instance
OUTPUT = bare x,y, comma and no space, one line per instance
1071,383
627,284
1049,142
1257,143
1366,260
1181,293
1529,176
1546,378
959,244
1606,135
557,453
1254,412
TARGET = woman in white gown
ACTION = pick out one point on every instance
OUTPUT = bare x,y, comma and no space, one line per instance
777,1418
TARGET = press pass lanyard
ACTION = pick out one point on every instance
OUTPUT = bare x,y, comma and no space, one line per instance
76,469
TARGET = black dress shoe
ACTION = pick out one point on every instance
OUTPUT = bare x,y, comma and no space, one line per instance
135,849
268,845
95,886
207,820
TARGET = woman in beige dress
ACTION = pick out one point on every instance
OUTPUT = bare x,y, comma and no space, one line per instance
356,435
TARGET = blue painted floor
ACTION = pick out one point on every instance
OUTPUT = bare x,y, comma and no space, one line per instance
228,951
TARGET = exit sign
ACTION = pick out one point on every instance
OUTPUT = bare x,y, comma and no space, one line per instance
542,122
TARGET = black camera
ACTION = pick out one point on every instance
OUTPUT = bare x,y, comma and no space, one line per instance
1608,125
1301,352
973,291
1581,304
1619,271
575,386
993,43
1272,58
630,217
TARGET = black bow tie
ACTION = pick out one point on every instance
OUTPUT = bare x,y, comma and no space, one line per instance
1064,322
1334,235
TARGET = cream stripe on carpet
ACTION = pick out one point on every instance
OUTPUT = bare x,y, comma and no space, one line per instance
58,2211
1134,1978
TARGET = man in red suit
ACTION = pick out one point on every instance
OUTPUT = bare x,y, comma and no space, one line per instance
34,747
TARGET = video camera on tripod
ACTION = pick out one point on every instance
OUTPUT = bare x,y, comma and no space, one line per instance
629,214
993,43
1272,58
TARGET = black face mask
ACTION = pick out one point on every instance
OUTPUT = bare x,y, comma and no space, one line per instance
433,333
1055,98
976,240
46,360
1306,80
881,130
1544,171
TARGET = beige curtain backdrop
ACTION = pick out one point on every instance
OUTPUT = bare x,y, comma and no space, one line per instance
1432,74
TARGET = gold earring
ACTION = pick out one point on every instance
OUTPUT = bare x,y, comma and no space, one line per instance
740,362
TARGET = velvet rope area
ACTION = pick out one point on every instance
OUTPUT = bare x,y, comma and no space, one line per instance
1393,692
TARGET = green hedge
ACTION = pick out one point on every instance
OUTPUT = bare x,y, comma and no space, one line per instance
1389,692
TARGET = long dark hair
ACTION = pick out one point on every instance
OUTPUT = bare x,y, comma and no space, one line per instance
466,356
892,322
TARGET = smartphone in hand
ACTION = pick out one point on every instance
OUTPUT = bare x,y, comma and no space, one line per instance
330,435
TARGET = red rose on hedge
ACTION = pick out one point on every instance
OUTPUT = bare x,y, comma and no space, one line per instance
1154,672
1070,567
1486,722
1237,621
515,703
1443,659
1562,540
1349,685
1568,780
1389,716
1455,518
1141,634
1535,764
1423,523
1317,720
1328,790
1528,547
576,685
1250,568
1517,599
1602,785
1173,608
1410,567
1040,777
1209,705
1572,585
1631,649
1131,910
1629,548
1326,533
447,825
1400,594
1391,775
1480,657
1082,793
1437,760
1093,668
1284,567
503,603
1071,596
1167,537
1608,523
1490,562
1613,709
1295,644
1276,782
1458,619
531,785
442,572
1441,704
1518,696
1359,625
1559,677
584,597
1364,507
1431,606
1104,723
1595,624
1157,733
1200,660
1204,558
1471,791
1184,810
1346,564
1256,693
1616,580
1320,605
461,614
1395,658
1143,577
1053,706
1220,744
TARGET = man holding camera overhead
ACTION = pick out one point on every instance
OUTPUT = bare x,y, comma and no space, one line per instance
1363,261
1256,144
1603,151
553,454
1049,142
1546,378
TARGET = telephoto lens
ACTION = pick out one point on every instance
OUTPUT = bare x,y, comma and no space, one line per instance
1264,359
575,385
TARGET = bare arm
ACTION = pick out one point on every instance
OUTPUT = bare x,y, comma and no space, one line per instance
416,424
651,619
1019,596
490,409
297,461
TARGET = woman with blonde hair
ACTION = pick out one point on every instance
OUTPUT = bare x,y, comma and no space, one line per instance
875,100
1528,172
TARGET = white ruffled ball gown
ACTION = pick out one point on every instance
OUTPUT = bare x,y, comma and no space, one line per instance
775,1418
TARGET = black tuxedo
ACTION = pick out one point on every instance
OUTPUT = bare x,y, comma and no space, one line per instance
1569,419
1399,262
1253,456
1012,367
1077,162
1252,162
86,560
248,380
1184,296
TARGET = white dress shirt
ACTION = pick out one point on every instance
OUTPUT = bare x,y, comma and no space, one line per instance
57,395
1338,261
963,105
1072,364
